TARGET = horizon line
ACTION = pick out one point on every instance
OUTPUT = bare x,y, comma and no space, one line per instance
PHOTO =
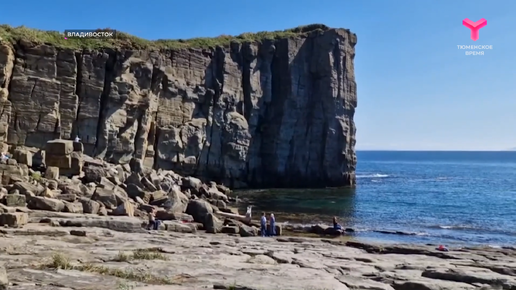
434,150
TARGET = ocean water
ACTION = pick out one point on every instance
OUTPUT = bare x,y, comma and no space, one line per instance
459,198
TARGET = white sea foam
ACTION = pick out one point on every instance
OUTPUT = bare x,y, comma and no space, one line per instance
376,175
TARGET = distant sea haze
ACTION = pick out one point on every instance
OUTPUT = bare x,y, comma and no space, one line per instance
450,197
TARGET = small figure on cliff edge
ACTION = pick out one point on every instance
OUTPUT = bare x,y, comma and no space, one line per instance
272,224
77,139
336,225
263,224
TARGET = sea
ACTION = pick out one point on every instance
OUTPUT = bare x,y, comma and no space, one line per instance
441,197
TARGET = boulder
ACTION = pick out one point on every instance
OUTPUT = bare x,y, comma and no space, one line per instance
59,147
169,215
149,185
4,282
73,207
6,209
330,231
78,147
77,189
176,226
52,184
14,220
126,209
43,203
49,193
212,224
230,230
134,191
69,197
64,162
52,172
176,201
199,209
318,229
93,173
134,178
76,164
23,156
15,200
158,195
24,187
106,183
212,192
225,190
12,174
192,183
106,197
247,231
89,206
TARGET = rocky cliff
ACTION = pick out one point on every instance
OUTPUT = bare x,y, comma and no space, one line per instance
277,112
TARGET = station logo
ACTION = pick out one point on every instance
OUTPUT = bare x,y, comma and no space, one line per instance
474,27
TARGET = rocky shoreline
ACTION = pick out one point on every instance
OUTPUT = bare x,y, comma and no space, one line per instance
73,222
68,251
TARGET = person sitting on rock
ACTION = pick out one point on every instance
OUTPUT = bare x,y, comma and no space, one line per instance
272,224
77,139
153,222
336,225
263,224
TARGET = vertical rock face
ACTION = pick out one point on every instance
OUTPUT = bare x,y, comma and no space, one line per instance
272,114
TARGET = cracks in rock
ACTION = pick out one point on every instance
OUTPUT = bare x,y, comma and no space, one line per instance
503,270
138,150
208,98
217,85
57,127
265,152
157,135
337,64
108,78
38,123
158,78
78,92
246,83
311,112
9,80
33,88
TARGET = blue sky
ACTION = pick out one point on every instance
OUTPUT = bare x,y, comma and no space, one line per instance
416,90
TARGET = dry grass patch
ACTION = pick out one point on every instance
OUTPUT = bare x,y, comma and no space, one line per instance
140,254
148,254
61,261
122,257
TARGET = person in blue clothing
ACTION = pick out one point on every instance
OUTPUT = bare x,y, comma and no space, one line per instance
336,225
263,224
272,223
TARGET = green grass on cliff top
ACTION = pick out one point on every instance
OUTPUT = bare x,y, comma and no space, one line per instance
124,40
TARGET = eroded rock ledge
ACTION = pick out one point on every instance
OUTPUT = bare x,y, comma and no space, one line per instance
278,113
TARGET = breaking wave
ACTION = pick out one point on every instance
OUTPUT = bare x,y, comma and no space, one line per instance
376,175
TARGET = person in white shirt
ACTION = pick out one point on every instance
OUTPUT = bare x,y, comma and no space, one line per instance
77,139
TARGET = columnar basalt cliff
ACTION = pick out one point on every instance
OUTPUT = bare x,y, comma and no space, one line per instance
269,113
